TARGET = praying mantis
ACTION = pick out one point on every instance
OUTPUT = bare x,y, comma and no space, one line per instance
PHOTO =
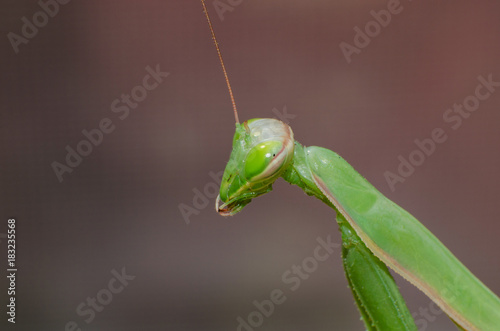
376,233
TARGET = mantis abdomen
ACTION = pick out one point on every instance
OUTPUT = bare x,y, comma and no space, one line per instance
402,242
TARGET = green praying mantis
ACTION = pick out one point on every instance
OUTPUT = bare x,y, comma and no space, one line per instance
376,233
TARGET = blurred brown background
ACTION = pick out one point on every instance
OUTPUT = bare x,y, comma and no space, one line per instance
120,207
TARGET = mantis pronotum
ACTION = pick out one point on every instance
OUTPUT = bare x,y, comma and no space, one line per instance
376,232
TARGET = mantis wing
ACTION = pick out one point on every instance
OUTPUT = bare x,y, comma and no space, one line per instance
404,244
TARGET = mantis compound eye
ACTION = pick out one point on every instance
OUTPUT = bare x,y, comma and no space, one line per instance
270,148
262,160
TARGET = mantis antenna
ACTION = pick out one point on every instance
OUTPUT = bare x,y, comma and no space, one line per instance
221,62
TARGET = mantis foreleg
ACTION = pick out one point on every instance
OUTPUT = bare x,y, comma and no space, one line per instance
376,294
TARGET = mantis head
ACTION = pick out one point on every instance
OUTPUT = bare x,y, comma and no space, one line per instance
262,150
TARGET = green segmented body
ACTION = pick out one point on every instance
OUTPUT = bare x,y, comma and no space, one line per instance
387,230
404,244
264,149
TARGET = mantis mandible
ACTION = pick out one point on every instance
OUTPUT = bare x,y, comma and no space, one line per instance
376,232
